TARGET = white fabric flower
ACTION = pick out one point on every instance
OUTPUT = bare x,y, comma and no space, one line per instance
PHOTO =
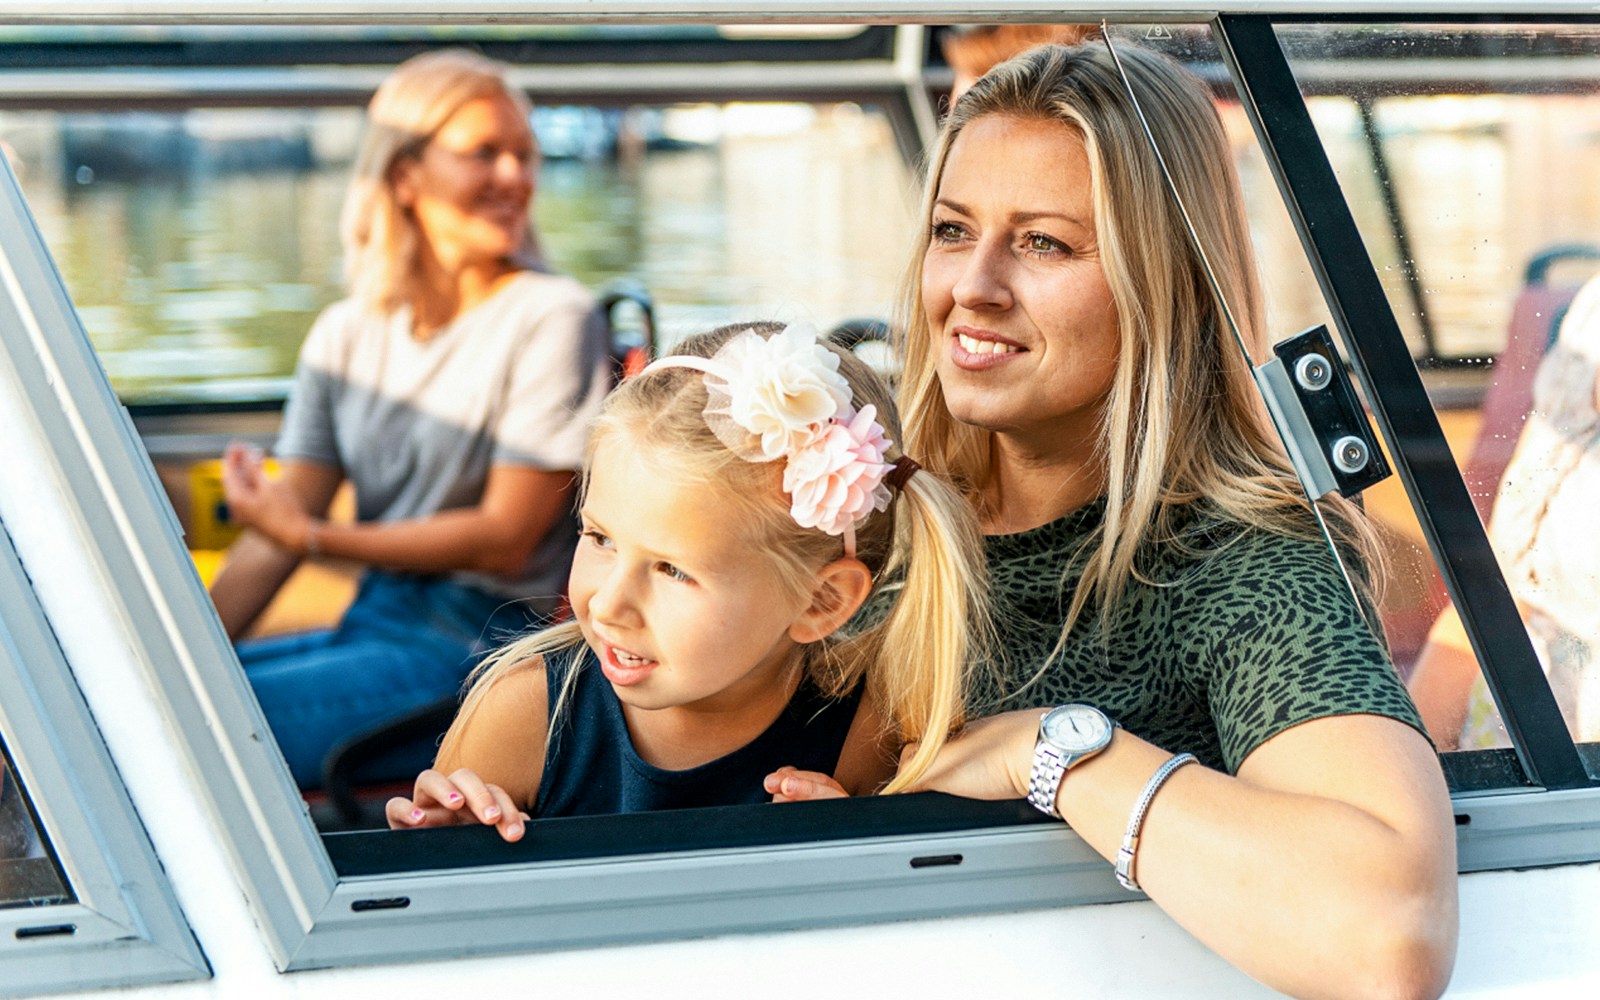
783,389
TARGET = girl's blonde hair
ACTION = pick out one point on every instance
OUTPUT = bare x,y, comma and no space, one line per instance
925,548
382,244
1185,421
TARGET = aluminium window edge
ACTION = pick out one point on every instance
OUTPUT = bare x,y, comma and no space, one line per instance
82,456
125,926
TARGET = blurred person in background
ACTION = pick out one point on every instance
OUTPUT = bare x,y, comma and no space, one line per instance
452,389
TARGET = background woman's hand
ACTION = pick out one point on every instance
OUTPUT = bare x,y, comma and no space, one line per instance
990,759
459,799
790,784
259,501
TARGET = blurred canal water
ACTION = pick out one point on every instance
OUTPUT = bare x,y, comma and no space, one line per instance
197,271
199,246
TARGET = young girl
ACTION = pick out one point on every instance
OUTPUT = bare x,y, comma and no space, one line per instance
741,500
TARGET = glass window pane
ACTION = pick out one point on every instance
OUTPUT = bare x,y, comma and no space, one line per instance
199,245
29,874
1451,174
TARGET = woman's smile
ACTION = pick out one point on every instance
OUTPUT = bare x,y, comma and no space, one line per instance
976,349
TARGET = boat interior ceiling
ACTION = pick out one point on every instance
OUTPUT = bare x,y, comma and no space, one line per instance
1418,180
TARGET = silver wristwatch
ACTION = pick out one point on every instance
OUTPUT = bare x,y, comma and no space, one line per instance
1067,735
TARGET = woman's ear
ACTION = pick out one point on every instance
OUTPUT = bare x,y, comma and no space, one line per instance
841,587
403,181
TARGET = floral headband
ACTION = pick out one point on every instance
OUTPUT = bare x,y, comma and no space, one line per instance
782,397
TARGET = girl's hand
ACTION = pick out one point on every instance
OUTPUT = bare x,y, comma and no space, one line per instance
256,501
990,759
788,784
459,799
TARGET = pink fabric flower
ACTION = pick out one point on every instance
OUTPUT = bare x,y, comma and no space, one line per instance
836,478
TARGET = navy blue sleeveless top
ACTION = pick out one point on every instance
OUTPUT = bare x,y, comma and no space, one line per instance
591,767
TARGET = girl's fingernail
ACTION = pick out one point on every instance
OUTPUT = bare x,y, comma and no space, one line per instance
493,812
515,829
416,814
453,797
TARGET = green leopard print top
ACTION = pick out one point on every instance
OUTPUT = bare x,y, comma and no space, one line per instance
1226,647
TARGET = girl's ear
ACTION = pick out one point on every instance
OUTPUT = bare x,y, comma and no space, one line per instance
841,587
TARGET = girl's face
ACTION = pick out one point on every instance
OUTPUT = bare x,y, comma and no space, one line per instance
1024,326
470,187
680,608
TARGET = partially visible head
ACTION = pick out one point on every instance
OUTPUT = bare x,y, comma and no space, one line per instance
1181,419
1176,366
738,585
661,416
445,168
973,50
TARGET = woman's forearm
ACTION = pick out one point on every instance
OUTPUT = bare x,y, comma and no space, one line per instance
519,508
256,569
1326,868
1319,890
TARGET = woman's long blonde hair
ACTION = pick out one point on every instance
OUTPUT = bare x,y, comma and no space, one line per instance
382,244
925,546
1185,421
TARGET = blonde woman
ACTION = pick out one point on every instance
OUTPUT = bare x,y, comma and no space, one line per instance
1161,592
452,389
741,500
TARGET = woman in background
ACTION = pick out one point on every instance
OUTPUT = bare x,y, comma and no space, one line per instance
452,389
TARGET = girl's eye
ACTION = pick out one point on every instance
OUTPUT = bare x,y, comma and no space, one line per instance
595,538
947,232
1039,243
672,572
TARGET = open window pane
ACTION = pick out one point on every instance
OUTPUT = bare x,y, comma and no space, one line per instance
29,874
1448,173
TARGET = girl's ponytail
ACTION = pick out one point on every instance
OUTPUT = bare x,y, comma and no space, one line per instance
938,626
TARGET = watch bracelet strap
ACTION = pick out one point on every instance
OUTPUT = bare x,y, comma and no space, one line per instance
1049,768
1130,839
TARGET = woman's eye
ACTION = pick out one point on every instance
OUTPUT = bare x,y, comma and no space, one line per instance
672,572
1039,243
947,232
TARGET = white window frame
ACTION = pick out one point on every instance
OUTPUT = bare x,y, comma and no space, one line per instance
313,918
123,925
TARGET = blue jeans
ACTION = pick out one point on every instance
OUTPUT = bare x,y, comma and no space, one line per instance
406,642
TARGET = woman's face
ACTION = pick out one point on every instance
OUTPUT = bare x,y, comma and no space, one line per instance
470,187
1024,326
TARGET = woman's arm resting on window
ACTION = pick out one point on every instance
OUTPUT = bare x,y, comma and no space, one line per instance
257,566
1326,868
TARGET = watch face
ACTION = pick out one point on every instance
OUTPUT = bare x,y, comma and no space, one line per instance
1077,728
